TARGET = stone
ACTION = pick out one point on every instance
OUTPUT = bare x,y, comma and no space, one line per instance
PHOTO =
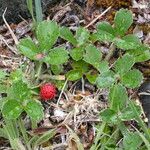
17,9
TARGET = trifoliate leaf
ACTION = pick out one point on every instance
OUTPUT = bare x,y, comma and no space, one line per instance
105,79
92,55
28,48
122,21
34,109
124,64
11,109
132,79
82,36
66,34
117,97
74,75
47,34
57,56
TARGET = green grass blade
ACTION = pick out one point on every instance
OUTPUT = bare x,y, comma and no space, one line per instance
38,11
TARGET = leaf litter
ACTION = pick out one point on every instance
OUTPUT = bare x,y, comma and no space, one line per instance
77,113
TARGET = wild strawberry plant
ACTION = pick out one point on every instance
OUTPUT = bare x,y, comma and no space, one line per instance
19,99
87,60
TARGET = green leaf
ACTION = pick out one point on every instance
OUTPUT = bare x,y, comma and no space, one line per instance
2,74
56,69
103,66
132,79
82,36
91,78
31,9
44,138
102,36
66,34
74,75
47,34
19,91
117,97
28,48
3,133
34,109
77,53
105,32
57,56
122,21
144,56
130,38
105,26
11,109
128,42
16,75
105,79
132,141
109,115
60,84
80,65
3,88
38,11
124,64
92,55
127,114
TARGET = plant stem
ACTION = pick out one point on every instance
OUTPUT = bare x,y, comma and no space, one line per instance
111,52
123,128
98,136
24,133
140,121
39,68
34,124
112,136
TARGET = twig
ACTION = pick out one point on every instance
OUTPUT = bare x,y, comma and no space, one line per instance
144,93
83,83
10,47
10,30
98,17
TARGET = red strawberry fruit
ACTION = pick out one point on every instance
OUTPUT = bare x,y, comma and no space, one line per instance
47,91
